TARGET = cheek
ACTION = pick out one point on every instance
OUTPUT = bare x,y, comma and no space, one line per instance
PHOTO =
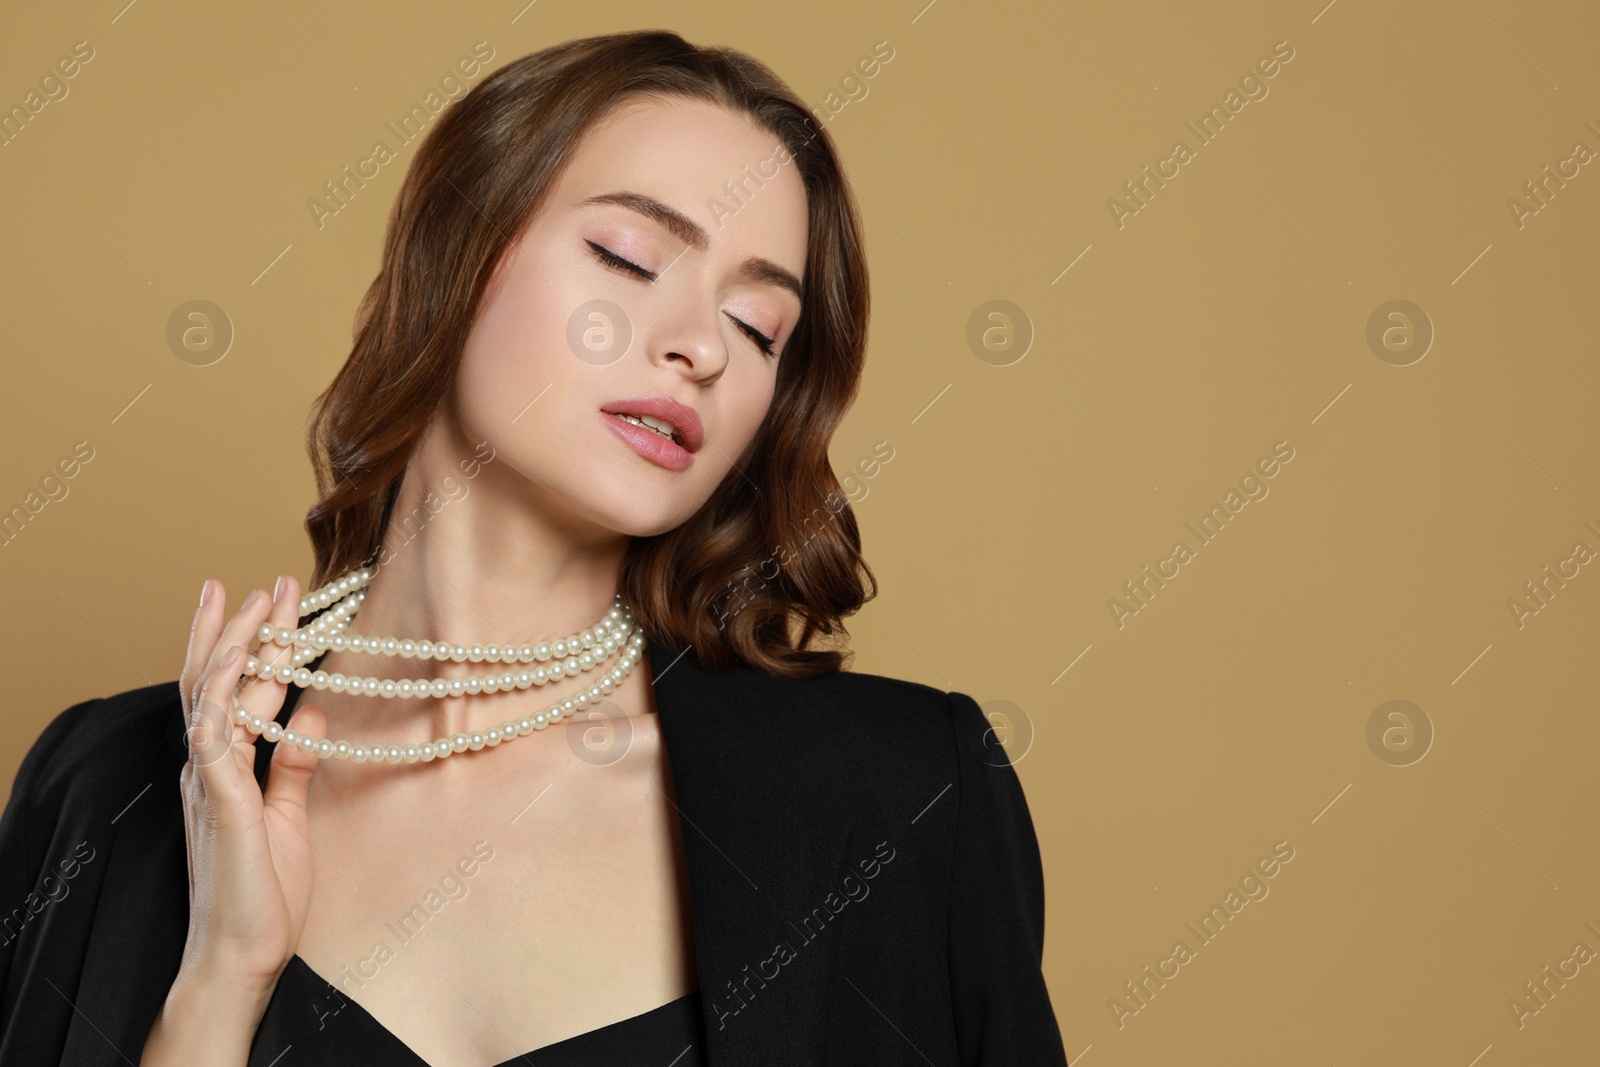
750,411
515,349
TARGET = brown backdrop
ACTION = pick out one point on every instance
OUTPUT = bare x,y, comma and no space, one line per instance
1378,258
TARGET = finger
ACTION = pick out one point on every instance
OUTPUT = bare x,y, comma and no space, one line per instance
203,633
211,732
264,696
292,767
184,787
239,629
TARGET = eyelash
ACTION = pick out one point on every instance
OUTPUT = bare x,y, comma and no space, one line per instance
611,259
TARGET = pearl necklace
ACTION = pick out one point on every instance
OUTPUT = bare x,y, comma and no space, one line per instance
617,633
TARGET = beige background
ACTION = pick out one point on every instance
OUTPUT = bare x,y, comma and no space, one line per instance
1228,314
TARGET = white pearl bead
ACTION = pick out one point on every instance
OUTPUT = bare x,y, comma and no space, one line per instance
426,752
290,737
335,604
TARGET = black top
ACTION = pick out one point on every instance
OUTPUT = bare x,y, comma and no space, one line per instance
309,1021
864,879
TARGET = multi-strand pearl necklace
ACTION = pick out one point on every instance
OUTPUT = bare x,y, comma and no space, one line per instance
337,602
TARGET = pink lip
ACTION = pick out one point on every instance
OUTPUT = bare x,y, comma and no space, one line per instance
661,407
649,444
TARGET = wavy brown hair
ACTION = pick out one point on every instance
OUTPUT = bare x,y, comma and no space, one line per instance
479,176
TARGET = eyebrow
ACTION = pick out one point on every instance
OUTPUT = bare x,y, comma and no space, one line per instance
688,231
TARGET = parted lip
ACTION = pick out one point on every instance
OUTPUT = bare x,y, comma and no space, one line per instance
683,418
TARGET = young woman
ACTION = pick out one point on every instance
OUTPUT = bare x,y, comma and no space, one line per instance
574,479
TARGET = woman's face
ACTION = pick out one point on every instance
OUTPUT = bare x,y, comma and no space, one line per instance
640,277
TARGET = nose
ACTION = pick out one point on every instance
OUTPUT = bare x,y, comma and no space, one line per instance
686,334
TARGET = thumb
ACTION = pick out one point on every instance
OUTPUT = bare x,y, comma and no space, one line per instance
290,775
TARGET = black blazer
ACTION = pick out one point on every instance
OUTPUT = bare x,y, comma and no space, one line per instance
864,877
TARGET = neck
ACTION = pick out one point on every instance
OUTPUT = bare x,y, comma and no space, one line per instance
472,555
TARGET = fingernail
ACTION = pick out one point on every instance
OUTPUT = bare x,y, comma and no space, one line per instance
205,592
250,601
231,655
277,590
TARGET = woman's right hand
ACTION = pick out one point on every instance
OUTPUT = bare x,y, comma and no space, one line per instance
250,854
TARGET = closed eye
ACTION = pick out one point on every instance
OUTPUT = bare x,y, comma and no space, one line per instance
616,262
611,259
762,341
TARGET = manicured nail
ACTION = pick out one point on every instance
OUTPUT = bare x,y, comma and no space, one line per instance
231,655
250,601
277,590
205,592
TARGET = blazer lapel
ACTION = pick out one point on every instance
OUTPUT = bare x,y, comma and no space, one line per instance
743,821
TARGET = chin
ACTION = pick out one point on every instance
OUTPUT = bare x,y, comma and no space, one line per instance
636,502
643,510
